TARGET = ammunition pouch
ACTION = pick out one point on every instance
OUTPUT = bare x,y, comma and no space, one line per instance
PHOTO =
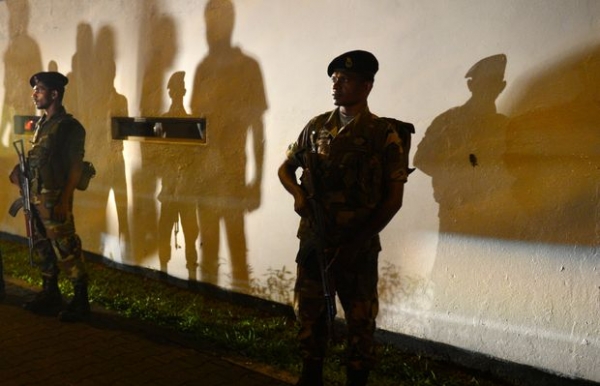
89,172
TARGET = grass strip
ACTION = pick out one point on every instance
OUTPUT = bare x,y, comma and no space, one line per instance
234,328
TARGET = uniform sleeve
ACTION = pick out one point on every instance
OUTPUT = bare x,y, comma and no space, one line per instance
296,149
75,142
395,161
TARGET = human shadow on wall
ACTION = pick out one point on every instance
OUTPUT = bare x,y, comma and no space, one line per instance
462,151
96,71
177,194
228,90
553,143
77,100
93,99
22,59
157,52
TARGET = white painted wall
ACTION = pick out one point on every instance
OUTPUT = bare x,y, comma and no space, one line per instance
511,270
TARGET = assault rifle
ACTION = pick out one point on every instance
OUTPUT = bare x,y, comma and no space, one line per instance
25,200
312,191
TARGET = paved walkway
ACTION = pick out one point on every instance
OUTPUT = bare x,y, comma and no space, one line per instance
107,350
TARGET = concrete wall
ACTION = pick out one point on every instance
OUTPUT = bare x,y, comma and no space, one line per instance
496,248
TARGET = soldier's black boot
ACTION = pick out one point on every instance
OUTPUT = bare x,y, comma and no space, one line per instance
48,301
356,377
78,308
312,373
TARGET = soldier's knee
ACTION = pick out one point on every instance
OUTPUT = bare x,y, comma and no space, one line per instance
68,248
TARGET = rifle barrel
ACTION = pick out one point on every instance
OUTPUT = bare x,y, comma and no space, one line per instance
319,222
26,195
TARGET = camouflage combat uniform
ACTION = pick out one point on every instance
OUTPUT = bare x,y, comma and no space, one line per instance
57,143
357,161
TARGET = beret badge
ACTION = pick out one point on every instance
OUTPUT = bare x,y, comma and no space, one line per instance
349,62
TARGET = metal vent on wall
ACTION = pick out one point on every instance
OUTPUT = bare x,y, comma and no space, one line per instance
159,128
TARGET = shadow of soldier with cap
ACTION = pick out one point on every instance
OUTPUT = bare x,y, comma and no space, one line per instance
352,184
463,153
55,165
177,196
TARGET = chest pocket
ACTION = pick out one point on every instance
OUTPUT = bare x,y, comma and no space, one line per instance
354,172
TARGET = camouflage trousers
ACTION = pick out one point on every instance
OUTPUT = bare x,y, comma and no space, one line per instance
57,245
356,287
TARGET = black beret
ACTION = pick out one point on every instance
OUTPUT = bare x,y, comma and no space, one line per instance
52,79
358,61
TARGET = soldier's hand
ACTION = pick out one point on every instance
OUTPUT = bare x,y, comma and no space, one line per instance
301,205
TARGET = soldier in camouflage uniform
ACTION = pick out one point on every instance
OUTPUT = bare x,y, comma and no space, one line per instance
55,164
359,178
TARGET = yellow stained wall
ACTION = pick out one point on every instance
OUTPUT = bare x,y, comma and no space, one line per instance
495,249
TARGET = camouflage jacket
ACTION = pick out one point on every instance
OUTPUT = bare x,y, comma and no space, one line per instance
57,143
354,164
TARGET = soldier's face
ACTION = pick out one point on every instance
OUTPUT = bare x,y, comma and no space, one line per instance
349,89
42,96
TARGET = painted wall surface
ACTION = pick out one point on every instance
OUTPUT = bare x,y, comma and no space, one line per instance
496,247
